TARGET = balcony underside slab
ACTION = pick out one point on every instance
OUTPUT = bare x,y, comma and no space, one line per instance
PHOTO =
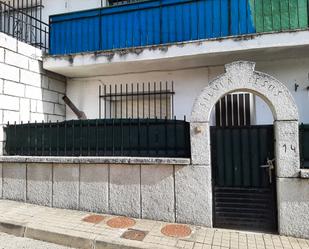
176,56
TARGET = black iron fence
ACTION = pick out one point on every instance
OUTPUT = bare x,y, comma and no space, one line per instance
304,145
22,19
100,137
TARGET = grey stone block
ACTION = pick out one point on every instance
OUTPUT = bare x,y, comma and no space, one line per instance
14,181
94,187
125,190
157,192
66,186
200,143
39,184
293,206
287,148
193,195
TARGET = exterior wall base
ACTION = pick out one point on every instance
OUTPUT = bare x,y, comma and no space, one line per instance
167,192
293,206
171,193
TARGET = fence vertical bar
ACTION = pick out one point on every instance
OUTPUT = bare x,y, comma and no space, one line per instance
105,108
160,99
156,144
50,138
172,98
88,137
121,127
139,136
175,136
57,137
81,138
65,138
148,142
97,137
15,137
130,144
22,134
105,137
132,101
185,133
73,137
8,139
113,136
126,100
166,142
155,99
166,99
29,139
121,101
100,104
43,138
149,100
137,101
115,101
143,100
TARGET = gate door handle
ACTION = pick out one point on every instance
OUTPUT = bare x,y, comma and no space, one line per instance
270,166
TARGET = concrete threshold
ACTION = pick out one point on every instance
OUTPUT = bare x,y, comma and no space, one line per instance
79,229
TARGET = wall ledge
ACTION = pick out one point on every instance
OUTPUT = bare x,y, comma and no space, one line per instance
304,173
95,160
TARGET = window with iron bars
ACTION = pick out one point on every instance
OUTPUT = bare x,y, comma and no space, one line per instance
22,19
234,110
145,100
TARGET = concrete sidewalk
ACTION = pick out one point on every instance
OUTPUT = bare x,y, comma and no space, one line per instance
85,230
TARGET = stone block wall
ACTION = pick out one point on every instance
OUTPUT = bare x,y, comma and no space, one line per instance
172,193
27,92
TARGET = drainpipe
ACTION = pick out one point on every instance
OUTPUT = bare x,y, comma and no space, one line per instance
80,114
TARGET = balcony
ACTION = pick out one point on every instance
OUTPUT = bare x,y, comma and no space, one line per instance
175,34
151,23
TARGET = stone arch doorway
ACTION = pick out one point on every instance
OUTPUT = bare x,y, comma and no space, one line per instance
241,76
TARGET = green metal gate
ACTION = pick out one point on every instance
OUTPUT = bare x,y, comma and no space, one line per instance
244,185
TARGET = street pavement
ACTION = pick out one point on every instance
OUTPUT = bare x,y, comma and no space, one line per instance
11,242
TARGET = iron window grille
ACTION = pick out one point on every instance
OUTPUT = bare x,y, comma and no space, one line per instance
22,19
145,100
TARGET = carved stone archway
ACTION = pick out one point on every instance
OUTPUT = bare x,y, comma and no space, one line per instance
241,76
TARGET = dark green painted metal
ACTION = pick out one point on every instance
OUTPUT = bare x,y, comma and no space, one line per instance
101,137
239,152
304,145
244,198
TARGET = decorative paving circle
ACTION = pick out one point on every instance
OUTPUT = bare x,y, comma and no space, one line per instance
94,218
133,234
175,230
120,222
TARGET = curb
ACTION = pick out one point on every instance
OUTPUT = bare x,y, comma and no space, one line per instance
70,238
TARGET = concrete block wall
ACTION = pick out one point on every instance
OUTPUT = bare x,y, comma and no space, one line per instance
27,92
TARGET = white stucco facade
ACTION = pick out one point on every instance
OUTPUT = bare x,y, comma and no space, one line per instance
53,7
189,82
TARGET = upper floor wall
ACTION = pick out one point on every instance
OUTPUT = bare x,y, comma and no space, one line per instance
171,21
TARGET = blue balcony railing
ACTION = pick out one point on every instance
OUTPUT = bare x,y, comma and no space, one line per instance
169,21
